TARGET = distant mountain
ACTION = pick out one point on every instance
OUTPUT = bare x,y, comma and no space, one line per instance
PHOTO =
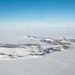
34,46
63,39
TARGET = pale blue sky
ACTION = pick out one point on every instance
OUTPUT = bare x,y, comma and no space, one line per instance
42,18
37,13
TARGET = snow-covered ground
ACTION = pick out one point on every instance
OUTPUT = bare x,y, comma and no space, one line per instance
57,63
44,56
33,47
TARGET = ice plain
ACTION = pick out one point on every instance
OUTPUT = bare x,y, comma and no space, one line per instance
55,63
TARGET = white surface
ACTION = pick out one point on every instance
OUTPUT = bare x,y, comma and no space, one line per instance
57,63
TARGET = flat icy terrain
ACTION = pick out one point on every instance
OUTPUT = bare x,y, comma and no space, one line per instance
47,57
57,63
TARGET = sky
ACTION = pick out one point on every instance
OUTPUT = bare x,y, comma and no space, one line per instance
37,12
36,17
